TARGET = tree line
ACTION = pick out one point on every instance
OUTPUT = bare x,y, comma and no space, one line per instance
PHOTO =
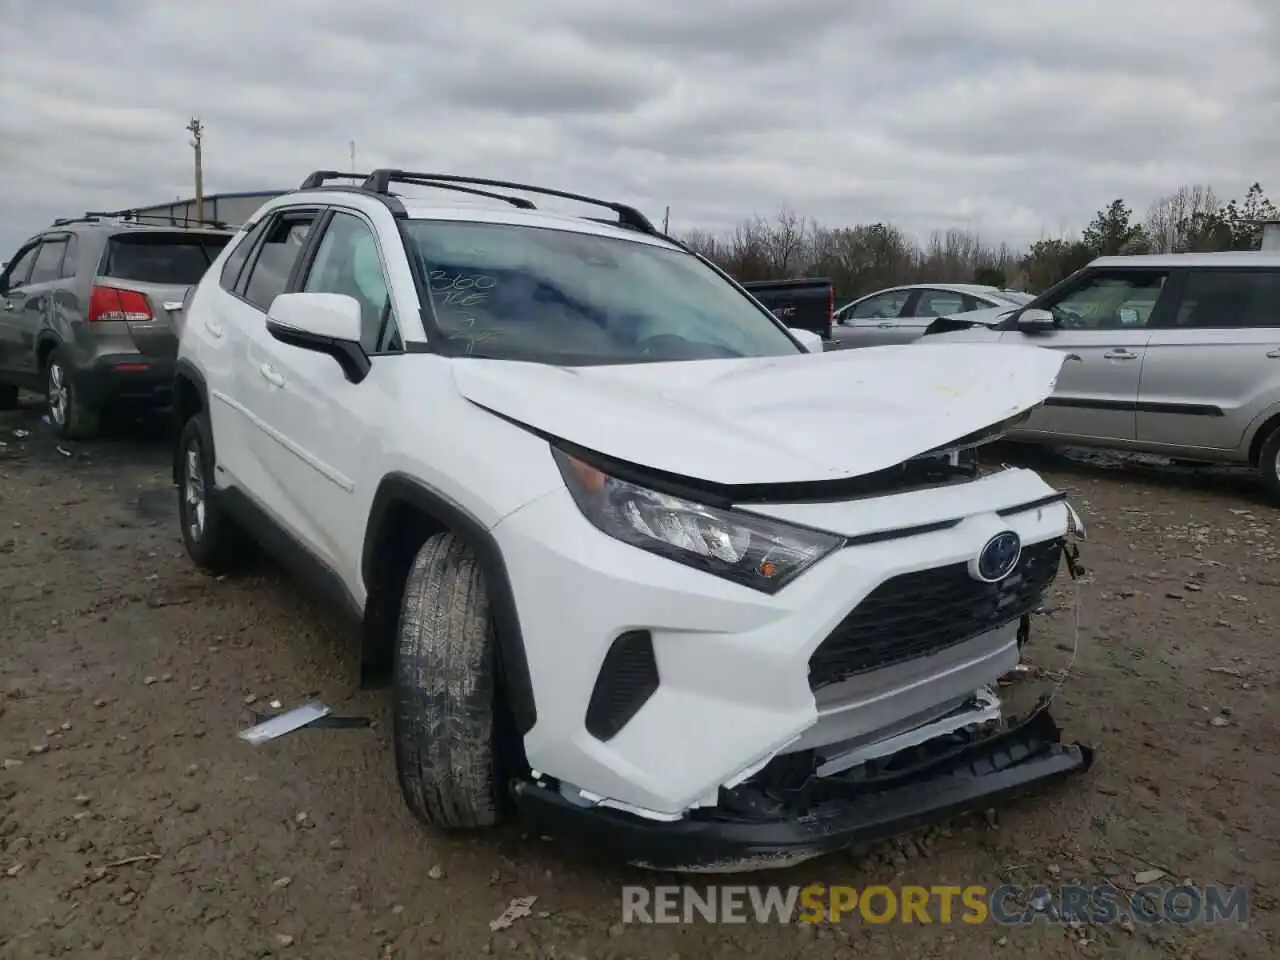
867,257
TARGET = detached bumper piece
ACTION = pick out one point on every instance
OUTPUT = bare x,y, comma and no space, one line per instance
785,815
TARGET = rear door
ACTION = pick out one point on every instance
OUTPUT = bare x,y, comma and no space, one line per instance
1103,321
1213,364
258,384
871,321
159,266
13,300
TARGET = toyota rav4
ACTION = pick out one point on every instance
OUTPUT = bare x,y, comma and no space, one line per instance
637,560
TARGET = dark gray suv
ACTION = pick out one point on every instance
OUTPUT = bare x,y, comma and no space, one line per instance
89,313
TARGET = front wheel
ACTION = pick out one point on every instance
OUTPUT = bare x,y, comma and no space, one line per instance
446,690
1269,464
72,417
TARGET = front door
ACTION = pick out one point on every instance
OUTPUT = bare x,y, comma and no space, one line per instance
1213,365
870,322
1103,326
13,305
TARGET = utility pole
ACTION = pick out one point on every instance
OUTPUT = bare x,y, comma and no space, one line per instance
197,134
353,156
666,219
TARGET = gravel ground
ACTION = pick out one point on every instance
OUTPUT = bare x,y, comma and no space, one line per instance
134,823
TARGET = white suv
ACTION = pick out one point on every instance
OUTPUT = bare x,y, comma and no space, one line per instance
632,554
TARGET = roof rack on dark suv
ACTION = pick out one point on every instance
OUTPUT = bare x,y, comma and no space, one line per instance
135,216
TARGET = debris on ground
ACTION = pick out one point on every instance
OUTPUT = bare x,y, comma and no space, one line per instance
518,907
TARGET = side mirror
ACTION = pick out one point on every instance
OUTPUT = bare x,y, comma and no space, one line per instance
327,323
808,339
1035,322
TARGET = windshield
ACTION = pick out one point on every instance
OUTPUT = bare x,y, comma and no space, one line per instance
557,296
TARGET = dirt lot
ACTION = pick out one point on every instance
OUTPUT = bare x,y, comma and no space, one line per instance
134,823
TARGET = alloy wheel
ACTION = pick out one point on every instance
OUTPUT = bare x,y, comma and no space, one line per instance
194,492
59,394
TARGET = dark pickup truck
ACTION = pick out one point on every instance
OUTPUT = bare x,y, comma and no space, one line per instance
807,304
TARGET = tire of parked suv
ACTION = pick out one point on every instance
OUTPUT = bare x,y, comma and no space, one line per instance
213,540
1269,463
8,396
446,690
71,416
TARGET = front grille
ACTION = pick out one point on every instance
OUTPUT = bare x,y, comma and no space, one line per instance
918,614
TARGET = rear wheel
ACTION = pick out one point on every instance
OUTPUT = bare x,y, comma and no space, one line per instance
446,692
213,540
1269,464
71,416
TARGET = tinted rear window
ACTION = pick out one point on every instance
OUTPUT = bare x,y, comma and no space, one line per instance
180,259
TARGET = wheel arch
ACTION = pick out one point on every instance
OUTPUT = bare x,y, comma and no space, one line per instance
1267,423
45,345
190,396
404,512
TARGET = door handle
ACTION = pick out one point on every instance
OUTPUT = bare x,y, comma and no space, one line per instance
1121,354
214,329
1274,354
269,374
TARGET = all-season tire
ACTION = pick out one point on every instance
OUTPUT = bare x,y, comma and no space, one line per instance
72,417
446,691
213,540
1269,464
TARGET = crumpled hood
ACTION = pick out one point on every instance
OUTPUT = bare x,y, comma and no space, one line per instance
774,419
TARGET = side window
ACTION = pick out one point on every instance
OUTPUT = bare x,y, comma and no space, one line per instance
1109,300
69,258
882,306
939,303
1230,298
973,303
281,246
16,275
48,265
233,266
347,262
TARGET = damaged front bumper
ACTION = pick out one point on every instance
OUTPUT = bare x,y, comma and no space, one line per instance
788,813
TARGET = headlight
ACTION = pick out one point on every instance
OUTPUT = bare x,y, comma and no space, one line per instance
754,551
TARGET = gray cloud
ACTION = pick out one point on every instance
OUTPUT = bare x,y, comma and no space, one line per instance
1012,119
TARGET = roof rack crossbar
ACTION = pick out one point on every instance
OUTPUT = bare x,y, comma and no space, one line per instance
320,177
380,182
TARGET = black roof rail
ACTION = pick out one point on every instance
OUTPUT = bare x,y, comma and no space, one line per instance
380,182
319,177
135,216
428,180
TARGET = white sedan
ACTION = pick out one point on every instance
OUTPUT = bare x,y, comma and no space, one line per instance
901,314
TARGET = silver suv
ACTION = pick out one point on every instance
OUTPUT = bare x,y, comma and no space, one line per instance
1177,354
88,313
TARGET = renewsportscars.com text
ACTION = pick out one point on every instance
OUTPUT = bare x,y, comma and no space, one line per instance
1007,904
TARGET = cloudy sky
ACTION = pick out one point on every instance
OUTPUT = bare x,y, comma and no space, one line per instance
1016,119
